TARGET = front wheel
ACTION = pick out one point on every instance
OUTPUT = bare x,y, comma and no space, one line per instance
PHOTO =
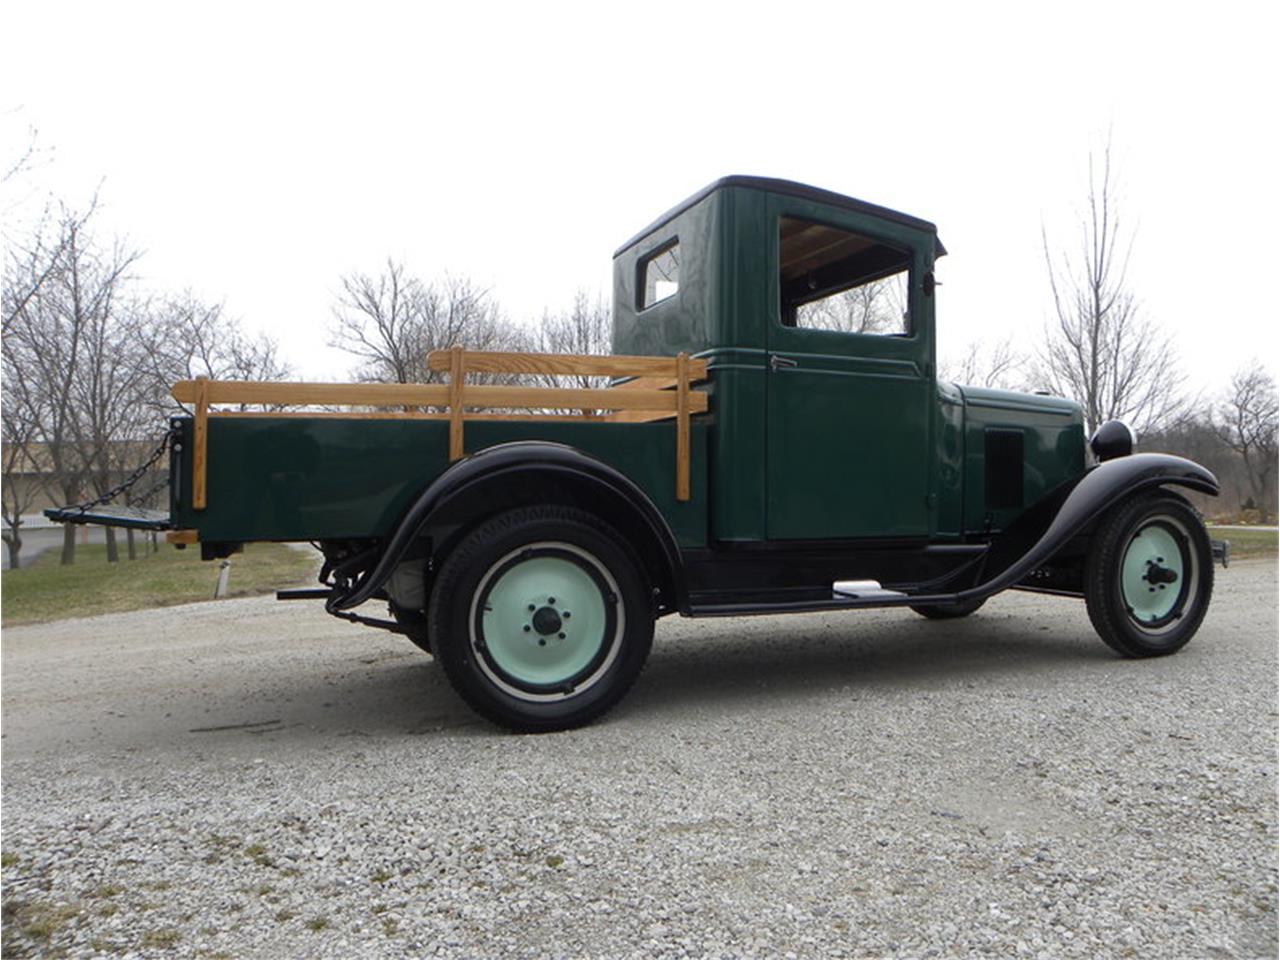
541,618
1149,575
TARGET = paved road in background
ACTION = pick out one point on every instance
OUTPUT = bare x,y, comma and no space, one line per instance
250,778
37,540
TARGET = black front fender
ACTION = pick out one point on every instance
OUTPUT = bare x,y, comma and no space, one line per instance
1068,509
513,466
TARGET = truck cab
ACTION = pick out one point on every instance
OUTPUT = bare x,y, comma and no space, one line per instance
816,314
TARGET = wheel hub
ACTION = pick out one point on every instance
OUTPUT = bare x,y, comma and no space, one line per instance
1159,575
546,620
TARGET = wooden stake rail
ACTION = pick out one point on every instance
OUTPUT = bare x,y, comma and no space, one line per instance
662,388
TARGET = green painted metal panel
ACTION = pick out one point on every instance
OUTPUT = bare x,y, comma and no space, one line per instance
303,478
850,425
1053,449
948,452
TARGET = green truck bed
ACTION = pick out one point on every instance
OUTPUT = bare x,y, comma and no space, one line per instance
331,478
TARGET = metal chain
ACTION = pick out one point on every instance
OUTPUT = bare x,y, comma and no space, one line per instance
133,478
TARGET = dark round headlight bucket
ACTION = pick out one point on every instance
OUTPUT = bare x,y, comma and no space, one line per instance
1115,438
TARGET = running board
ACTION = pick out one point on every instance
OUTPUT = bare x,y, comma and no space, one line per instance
837,601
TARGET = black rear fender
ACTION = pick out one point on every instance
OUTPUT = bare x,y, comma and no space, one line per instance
524,473
1068,512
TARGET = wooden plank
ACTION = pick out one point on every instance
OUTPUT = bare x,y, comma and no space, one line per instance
182,536
356,394
401,415
565,364
559,398
638,416
433,395
646,383
200,451
682,427
457,379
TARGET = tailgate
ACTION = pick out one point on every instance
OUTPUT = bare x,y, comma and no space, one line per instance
113,516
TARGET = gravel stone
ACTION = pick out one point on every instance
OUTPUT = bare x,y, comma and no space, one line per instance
251,779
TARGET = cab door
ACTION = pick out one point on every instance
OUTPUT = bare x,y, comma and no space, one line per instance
850,377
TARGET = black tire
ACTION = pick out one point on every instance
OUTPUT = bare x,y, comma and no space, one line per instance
484,581
950,611
1159,614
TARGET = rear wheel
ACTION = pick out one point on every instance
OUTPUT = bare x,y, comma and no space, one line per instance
541,618
1149,575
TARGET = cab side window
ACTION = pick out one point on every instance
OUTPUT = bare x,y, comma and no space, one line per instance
833,279
659,275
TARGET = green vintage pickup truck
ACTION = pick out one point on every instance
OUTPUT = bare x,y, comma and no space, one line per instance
772,437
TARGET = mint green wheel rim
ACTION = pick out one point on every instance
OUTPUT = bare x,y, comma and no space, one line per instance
546,621
1154,547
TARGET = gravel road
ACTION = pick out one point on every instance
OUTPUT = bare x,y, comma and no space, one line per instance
248,778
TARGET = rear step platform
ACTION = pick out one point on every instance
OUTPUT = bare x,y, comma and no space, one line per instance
134,518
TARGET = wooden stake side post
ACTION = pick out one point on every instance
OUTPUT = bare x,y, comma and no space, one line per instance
457,377
646,397
200,451
682,427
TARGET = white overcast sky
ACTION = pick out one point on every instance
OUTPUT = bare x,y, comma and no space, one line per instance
258,151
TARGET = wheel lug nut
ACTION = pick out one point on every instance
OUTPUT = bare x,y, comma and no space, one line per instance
566,614
527,628
551,600
542,642
532,608
561,636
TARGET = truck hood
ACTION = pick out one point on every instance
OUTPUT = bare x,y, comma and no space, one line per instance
1012,400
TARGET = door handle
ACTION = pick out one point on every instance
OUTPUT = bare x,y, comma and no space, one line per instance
777,363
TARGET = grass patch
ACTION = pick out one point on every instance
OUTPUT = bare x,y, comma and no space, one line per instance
35,921
1248,544
160,939
317,924
46,590
284,916
8,859
382,876
258,853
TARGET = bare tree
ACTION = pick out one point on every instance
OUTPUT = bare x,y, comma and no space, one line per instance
585,328
996,365
18,429
1249,418
63,343
185,338
1100,349
392,320
876,307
